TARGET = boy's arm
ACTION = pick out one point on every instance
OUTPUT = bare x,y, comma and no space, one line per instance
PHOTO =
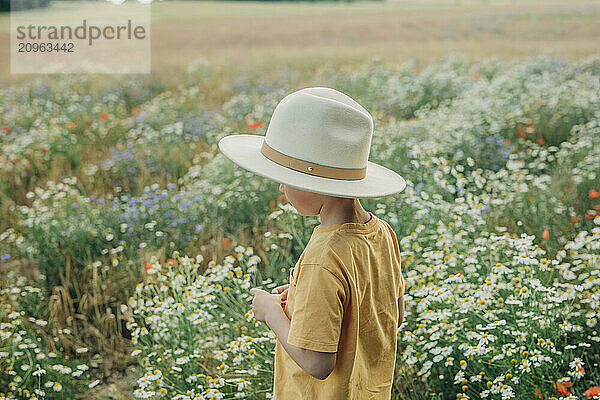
400,310
317,364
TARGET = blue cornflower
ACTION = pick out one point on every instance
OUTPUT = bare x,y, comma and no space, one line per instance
418,187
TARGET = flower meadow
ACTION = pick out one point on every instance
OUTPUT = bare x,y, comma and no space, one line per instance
127,239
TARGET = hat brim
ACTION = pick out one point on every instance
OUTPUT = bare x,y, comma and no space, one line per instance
244,150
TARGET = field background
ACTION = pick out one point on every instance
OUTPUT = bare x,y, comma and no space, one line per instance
255,36
263,42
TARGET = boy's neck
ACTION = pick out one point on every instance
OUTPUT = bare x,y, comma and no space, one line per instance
340,211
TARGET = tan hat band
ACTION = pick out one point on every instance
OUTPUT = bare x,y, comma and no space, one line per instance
324,171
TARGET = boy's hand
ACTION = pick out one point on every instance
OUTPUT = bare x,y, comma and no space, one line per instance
283,291
264,303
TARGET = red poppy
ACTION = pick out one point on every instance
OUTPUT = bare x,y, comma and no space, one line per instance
540,141
597,207
538,393
281,197
561,387
546,234
135,111
170,261
226,241
520,130
135,92
104,115
573,219
506,141
589,216
70,125
255,125
43,150
593,194
148,265
4,128
272,203
592,391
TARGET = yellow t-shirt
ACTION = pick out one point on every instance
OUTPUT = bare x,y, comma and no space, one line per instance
343,298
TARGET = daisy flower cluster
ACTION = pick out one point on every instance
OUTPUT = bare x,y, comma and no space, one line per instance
27,369
494,316
194,333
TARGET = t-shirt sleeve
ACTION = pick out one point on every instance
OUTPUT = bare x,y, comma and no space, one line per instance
316,320
400,285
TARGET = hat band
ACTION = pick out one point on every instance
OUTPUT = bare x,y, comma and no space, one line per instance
324,171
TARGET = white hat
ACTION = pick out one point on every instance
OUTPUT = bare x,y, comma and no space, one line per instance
318,140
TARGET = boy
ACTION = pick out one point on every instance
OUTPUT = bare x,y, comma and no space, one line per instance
336,335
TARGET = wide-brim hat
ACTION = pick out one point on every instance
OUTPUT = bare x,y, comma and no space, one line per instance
318,140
